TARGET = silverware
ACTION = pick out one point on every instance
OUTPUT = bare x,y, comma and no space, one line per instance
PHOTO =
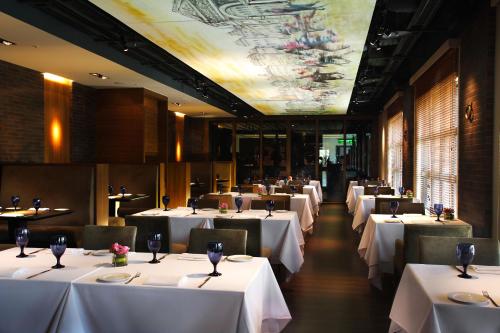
204,281
162,257
485,294
40,273
133,277
458,269
36,251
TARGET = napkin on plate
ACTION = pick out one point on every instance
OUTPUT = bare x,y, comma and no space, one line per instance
41,209
192,257
486,269
163,280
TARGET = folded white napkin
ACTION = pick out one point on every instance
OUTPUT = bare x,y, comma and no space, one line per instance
486,269
75,251
192,257
163,280
417,215
41,209
14,273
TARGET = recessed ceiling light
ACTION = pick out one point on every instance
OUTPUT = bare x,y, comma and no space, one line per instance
178,104
99,76
7,42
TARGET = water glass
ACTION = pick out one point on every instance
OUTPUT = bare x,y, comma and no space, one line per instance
394,205
239,202
215,252
37,203
154,245
465,254
165,200
58,247
438,209
22,238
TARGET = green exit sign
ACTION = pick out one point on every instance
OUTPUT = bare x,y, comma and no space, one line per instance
348,142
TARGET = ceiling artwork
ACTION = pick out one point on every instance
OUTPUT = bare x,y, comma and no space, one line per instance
279,56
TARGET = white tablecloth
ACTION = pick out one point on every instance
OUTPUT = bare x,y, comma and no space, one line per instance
377,243
317,185
421,303
313,195
281,232
246,298
352,195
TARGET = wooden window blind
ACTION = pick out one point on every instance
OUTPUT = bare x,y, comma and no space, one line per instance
436,133
395,151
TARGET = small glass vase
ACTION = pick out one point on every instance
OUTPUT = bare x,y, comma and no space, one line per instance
120,260
449,216
223,210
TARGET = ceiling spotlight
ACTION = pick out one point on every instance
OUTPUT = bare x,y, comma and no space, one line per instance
99,76
177,103
6,42
204,92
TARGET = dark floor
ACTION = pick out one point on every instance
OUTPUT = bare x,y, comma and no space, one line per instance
331,293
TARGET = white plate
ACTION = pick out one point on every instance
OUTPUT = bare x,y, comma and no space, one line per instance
114,277
61,209
208,209
239,258
13,214
101,253
281,211
468,298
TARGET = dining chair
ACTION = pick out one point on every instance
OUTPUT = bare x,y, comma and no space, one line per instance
279,198
260,204
436,250
405,207
283,189
370,190
382,205
369,182
96,237
146,225
254,233
208,203
234,241
221,198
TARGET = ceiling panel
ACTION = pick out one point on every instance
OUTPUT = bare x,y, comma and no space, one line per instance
280,56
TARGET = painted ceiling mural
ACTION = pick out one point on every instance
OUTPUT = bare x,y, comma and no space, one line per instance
280,56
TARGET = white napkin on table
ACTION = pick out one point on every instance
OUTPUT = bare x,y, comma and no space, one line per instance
41,209
13,273
163,280
192,257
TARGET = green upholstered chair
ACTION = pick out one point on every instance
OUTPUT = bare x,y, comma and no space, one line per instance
235,241
261,204
435,250
97,237
146,225
382,206
370,190
407,251
40,235
283,189
124,211
254,233
208,203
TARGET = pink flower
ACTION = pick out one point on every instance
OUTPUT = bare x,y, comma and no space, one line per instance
223,206
119,249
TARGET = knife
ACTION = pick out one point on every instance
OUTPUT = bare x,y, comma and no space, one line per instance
36,251
40,273
204,281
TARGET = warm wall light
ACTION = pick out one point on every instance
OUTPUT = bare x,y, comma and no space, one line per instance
57,78
468,113
179,114
55,133
178,153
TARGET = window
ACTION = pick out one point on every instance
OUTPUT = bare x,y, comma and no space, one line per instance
395,151
436,133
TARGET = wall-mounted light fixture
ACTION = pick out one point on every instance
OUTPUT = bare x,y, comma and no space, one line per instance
57,78
468,112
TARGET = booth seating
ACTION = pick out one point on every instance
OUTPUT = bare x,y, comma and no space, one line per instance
138,179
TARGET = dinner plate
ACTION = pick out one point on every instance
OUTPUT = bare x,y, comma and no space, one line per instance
468,298
61,209
101,253
208,209
281,211
239,258
114,277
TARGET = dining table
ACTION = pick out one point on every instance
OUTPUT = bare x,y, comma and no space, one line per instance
423,301
377,244
352,196
317,186
314,195
175,295
281,232
116,199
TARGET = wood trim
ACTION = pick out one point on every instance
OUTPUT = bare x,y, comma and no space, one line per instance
394,98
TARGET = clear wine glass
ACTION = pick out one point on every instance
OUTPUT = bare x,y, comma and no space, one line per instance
37,203
154,245
22,238
465,255
438,209
394,205
15,199
165,200
123,190
401,191
270,207
215,252
58,247
239,202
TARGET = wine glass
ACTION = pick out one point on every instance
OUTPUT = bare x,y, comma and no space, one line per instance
58,247
22,238
123,190
401,190
239,190
193,203
110,190
165,199
268,189
394,205
465,255
270,207
37,203
15,201
219,188
438,209
375,191
214,252
239,202
294,190
154,245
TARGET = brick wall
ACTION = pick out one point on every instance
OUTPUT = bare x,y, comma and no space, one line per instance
82,124
21,114
477,52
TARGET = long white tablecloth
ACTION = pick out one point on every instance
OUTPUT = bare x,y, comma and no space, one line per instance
281,232
377,245
421,304
319,190
352,195
246,298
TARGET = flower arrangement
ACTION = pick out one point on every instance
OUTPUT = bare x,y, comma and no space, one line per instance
449,213
409,193
223,207
120,254
260,190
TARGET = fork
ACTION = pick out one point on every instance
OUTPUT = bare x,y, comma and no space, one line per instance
133,277
485,294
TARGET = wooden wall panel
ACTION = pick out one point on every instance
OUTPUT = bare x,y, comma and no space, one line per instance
101,194
178,183
150,126
57,107
225,171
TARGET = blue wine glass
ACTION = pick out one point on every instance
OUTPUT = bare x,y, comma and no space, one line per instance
219,188
465,255
438,209
394,205
401,190
268,189
154,245
58,247
165,200
110,190
375,191
193,203
270,207
123,190
37,203
239,190
239,202
22,238
293,188
15,201
215,252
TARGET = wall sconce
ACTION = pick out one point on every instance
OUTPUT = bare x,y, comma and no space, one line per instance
468,113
